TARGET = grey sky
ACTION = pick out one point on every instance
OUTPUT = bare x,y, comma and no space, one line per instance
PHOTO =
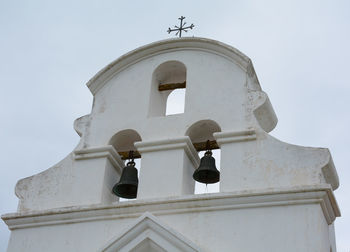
50,49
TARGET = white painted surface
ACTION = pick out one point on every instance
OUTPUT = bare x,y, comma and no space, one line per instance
264,220
221,87
149,234
161,178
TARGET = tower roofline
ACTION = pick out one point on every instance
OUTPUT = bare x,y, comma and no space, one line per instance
170,45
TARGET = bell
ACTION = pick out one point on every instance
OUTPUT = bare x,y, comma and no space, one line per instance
207,172
127,185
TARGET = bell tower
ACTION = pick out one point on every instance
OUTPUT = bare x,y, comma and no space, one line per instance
273,196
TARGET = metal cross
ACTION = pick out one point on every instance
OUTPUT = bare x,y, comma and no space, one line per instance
181,28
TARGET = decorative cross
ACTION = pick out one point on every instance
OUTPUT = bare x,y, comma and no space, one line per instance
181,28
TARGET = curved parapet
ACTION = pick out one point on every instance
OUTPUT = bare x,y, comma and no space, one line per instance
223,102
169,45
329,172
263,111
84,177
47,189
253,159
80,124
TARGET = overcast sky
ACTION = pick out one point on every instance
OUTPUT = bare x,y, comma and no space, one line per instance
50,49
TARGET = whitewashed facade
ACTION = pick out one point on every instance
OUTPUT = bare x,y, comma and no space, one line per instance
273,196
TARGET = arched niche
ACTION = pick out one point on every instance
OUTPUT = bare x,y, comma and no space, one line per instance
168,77
124,140
202,131
170,72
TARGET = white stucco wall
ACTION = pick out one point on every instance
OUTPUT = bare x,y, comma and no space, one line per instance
71,207
265,221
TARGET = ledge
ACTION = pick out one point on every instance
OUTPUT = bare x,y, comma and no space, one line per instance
302,195
234,136
107,151
170,144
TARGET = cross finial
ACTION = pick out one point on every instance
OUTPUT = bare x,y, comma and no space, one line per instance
181,28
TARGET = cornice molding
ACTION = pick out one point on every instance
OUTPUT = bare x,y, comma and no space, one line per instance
234,136
107,151
318,194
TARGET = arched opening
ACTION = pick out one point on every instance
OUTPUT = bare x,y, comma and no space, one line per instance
123,143
168,89
199,133
176,102
201,188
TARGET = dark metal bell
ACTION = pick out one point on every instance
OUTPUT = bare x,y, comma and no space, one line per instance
127,185
207,172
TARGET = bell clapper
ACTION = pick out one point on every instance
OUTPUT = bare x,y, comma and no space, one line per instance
131,161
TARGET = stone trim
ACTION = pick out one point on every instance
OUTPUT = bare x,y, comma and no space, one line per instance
234,136
107,151
330,173
144,228
170,144
321,194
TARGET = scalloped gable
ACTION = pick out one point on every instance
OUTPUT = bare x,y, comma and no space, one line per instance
149,234
171,45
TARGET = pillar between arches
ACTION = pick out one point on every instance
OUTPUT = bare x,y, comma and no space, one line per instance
167,167
98,169
232,164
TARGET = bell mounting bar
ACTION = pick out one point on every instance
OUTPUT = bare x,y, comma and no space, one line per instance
125,155
171,86
202,146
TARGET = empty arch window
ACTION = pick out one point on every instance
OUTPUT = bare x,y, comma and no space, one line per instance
175,102
168,89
